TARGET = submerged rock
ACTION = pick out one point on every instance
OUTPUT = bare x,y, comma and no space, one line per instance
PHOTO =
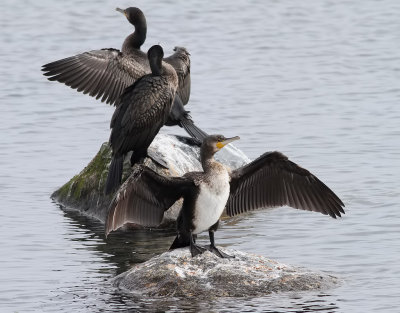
176,273
85,191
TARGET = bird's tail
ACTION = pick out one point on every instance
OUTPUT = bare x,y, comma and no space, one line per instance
186,122
180,242
114,176
179,116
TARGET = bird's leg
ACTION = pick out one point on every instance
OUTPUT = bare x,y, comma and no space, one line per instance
214,249
134,158
195,249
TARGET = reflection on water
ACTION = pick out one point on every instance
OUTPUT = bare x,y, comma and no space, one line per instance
317,80
123,249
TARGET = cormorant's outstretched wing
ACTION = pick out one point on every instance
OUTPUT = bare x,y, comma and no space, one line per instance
106,73
272,180
101,73
144,197
180,61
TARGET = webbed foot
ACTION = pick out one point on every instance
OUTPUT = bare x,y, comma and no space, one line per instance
196,250
218,252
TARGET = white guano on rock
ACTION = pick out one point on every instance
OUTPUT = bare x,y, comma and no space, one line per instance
177,273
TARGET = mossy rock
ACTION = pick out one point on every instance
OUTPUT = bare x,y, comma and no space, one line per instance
85,191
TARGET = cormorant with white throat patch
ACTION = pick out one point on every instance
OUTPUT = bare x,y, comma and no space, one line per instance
269,181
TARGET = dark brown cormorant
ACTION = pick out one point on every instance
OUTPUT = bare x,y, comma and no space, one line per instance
142,110
269,181
106,73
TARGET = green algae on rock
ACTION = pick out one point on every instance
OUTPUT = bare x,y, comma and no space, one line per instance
85,191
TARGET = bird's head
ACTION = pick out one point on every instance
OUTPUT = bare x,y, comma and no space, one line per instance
214,143
134,15
155,56
181,50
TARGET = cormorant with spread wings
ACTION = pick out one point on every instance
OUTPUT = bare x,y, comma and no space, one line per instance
105,73
269,181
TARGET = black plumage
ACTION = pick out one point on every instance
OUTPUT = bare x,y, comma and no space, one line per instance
143,109
106,73
271,180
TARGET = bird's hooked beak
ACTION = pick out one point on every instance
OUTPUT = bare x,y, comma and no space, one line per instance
121,11
221,144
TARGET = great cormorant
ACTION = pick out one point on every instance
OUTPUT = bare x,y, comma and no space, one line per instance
269,181
106,73
143,109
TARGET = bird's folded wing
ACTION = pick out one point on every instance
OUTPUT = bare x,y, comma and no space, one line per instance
149,97
102,73
184,87
144,197
142,110
273,180
182,68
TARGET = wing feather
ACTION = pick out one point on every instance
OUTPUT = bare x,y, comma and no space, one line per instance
101,73
105,73
180,61
86,86
273,180
142,110
144,197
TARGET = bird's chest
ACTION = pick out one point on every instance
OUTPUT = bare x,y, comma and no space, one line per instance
211,201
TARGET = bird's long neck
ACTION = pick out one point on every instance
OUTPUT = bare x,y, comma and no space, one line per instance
137,38
156,66
207,159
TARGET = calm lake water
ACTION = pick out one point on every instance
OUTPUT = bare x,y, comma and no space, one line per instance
317,80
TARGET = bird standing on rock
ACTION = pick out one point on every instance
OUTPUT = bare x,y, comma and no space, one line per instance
105,73
269,181
142,110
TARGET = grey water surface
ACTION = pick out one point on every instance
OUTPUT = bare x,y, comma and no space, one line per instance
317,80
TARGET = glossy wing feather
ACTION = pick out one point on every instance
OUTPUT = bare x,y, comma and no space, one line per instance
273,180
101,73
144,197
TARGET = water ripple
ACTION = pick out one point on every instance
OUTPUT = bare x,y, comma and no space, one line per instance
317,80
